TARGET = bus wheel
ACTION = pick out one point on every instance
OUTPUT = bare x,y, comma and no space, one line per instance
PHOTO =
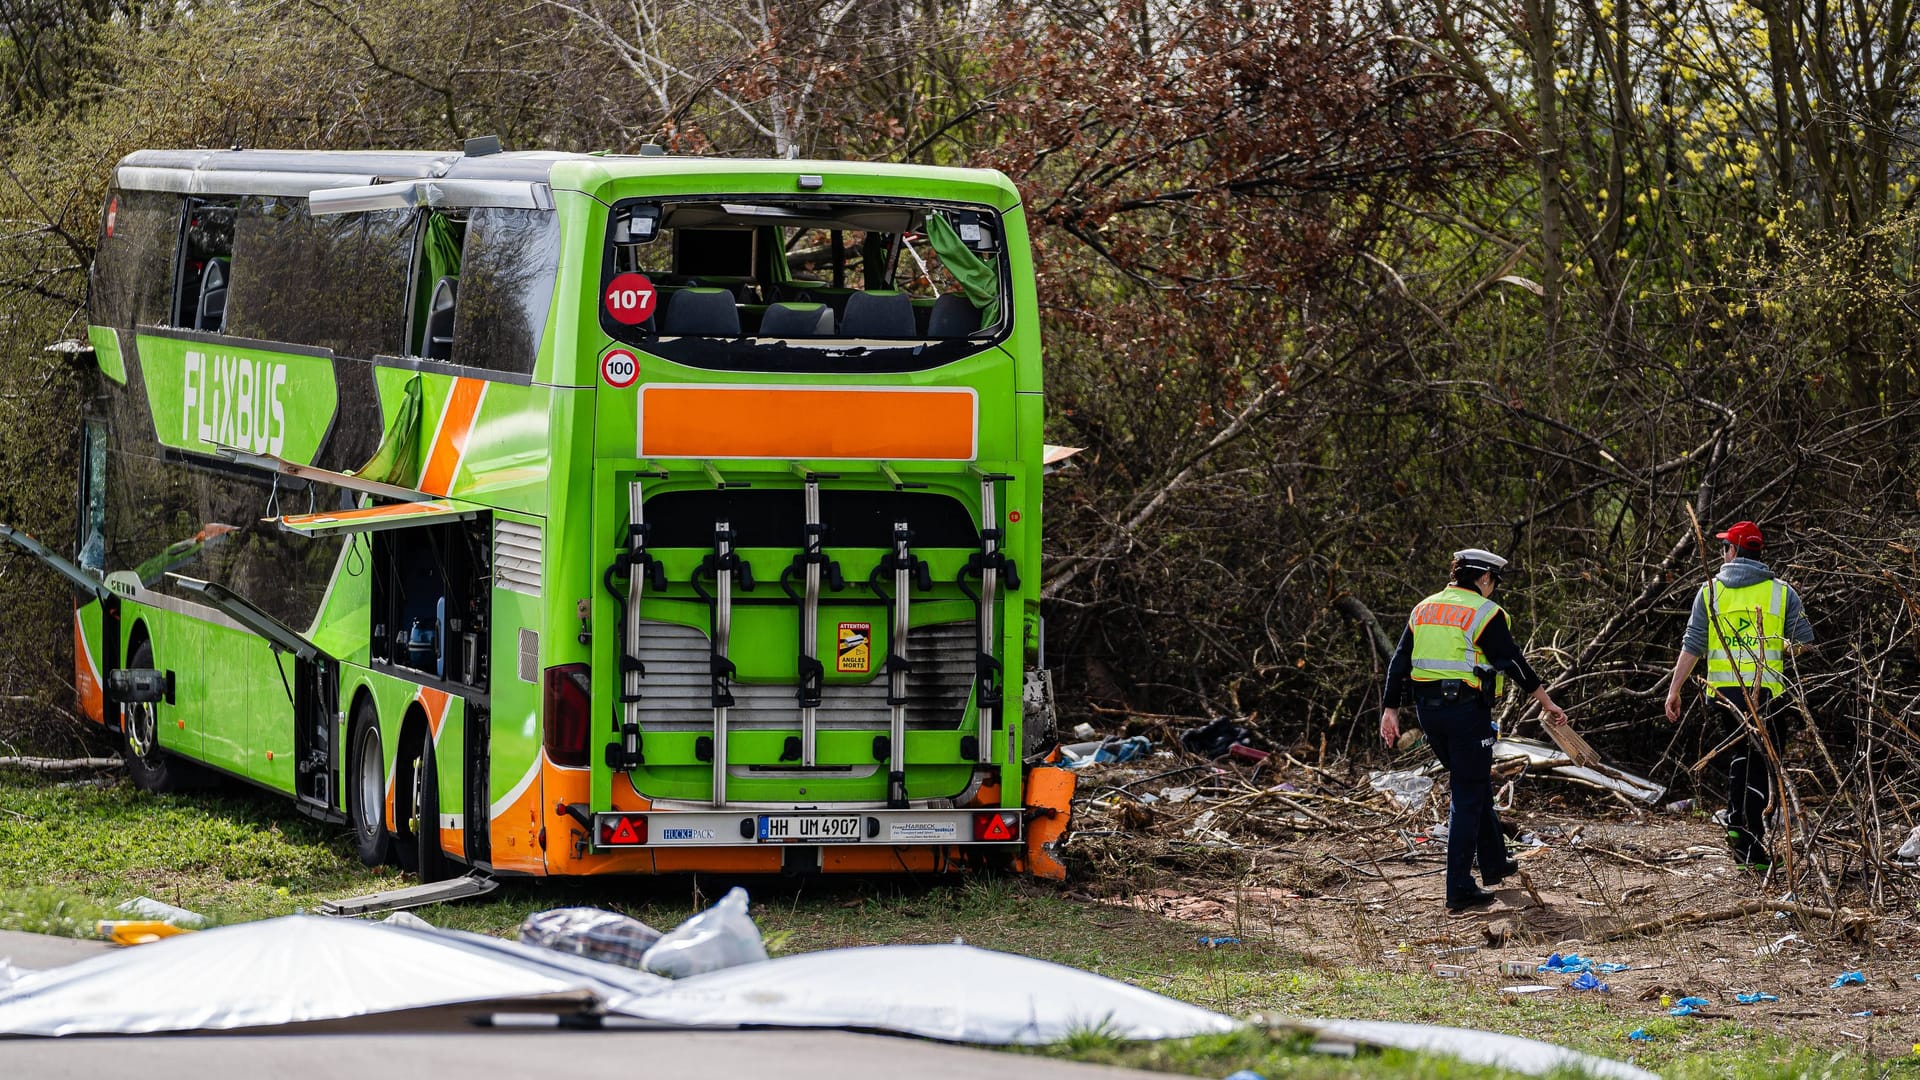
433,862
152,768
367,799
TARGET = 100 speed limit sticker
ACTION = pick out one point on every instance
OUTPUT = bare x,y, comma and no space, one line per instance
619,368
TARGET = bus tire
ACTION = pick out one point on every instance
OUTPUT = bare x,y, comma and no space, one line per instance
151,768
431,861
367,797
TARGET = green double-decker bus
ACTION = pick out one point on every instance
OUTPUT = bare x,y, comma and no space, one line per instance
550,513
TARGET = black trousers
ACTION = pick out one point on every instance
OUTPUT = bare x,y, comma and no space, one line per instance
1749,772
1462,734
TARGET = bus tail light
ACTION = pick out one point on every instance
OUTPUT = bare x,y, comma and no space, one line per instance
996,826
622,830
568,713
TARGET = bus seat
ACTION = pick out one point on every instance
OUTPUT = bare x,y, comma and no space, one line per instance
703,312
953,316
439,345
211,311
789,320
879,314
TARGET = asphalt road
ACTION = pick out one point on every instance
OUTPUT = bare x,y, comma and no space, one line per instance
483,1052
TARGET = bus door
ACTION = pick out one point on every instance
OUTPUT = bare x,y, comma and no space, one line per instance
313,684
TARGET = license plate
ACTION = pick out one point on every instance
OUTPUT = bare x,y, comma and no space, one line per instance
808,828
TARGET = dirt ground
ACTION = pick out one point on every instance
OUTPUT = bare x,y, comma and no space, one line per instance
1313,859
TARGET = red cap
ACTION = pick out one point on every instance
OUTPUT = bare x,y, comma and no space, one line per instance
1744,535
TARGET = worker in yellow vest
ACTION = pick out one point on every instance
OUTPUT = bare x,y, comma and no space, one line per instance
1452,661
1743,622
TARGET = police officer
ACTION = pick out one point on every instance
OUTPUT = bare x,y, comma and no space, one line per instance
1450,661
1743,621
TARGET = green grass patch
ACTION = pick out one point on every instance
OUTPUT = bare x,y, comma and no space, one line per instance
71,851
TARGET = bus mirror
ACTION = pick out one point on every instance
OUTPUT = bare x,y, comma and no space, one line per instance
636,224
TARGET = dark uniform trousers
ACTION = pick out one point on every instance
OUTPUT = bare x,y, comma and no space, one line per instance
1749,773
1462,733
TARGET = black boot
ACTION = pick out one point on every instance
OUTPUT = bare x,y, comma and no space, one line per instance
1459,902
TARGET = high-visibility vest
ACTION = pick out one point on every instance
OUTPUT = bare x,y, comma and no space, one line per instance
1446,634
1746,634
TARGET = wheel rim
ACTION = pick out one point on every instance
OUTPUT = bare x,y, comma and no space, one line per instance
142,729
372,786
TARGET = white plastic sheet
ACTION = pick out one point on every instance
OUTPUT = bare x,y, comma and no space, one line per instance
293,970
955,993
722,936
1527,1056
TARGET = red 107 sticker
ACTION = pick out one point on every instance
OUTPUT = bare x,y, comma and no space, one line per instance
620,368
630,299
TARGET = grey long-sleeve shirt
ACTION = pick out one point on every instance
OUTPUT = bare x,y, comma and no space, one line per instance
1735,574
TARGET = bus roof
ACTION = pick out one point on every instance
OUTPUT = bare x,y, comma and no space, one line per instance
299,172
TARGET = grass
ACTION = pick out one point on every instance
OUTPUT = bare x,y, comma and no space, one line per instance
71,851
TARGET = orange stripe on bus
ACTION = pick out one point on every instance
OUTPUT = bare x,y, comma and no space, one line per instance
450,441
86,679
434,704
799,422
369,513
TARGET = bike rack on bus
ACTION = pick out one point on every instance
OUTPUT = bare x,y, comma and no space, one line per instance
908,571
722,565
988,564
811,562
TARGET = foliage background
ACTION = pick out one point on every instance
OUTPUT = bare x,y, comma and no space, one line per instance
1330,291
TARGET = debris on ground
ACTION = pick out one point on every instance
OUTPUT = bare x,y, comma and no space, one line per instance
1849,978
1525,1056
1407,789
590,932
136,931
1755,998
1689,1006
146,907
1105,751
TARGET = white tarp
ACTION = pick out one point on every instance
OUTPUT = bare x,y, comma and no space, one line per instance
300,969
1527,1056
953,992
293,970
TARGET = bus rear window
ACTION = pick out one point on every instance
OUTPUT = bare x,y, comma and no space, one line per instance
793,284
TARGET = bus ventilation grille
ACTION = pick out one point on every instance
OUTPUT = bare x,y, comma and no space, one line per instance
676,692
516,556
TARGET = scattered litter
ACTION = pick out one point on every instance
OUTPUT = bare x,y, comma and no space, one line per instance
1862,1013
1850,978
1517,967
1245,1074
147,907
1449,971
1243,752
1909,848
1688,1006
1215,739
136,931
1104,751
1778,944
1754,999
722,936
1215,942
592,933
1529,988
1574,963
1680,806
1519,1055
1407,789
1084,730
1639,1035
1177,795
1586,981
